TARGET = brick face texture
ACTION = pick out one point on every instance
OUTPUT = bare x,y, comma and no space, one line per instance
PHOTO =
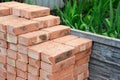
34,46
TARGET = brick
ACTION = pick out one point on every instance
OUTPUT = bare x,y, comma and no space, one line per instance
3,73
3,59
1,78
22,57
82,61
40,78
35,63
22,66
19,78
4,11
22,74
35,51
3,67
47,21
82,54
21,26
12,38
10,5
58,66
57,54
11,62
34,11
11,76
22,49
12,46
12,54
55,76
65,39
57,31
3,51
11,69
3,44
4,21
80,69
83,75
29,39
80,44
32,77
33,70
3,36
67,77
17,9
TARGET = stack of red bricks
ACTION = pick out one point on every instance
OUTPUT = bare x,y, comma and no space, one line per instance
34,46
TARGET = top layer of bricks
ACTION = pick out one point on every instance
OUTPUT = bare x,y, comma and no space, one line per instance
23,10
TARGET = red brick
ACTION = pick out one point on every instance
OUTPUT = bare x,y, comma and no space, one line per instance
12,54
58,66
40,78
11,62
33,70
35,63
47,21
11,76
82,61
12,46
10,5
80,44
32,77
3,59
17,9
12,38
82,54
65,38
80,68
22,57
57,54
3,73
67,77
35,51
57,31
55,76
3,36
21,26
22,74
3,44
83,75
11,69
22,66
22,49
34,11
4,21
29,39
19,78
1,78
3,51
3,67
4,11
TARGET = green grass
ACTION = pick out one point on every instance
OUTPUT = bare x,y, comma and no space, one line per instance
102,17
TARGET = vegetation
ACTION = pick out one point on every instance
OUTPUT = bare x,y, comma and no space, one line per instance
96,16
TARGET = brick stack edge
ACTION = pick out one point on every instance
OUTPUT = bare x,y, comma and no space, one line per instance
34,46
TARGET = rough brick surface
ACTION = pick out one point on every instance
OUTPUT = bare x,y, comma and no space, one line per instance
12,46
29,39
4,11
11,69
3,59
12,54
35,63
3,44
58,31
21,65
47,21
21,26
22,74
59,66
